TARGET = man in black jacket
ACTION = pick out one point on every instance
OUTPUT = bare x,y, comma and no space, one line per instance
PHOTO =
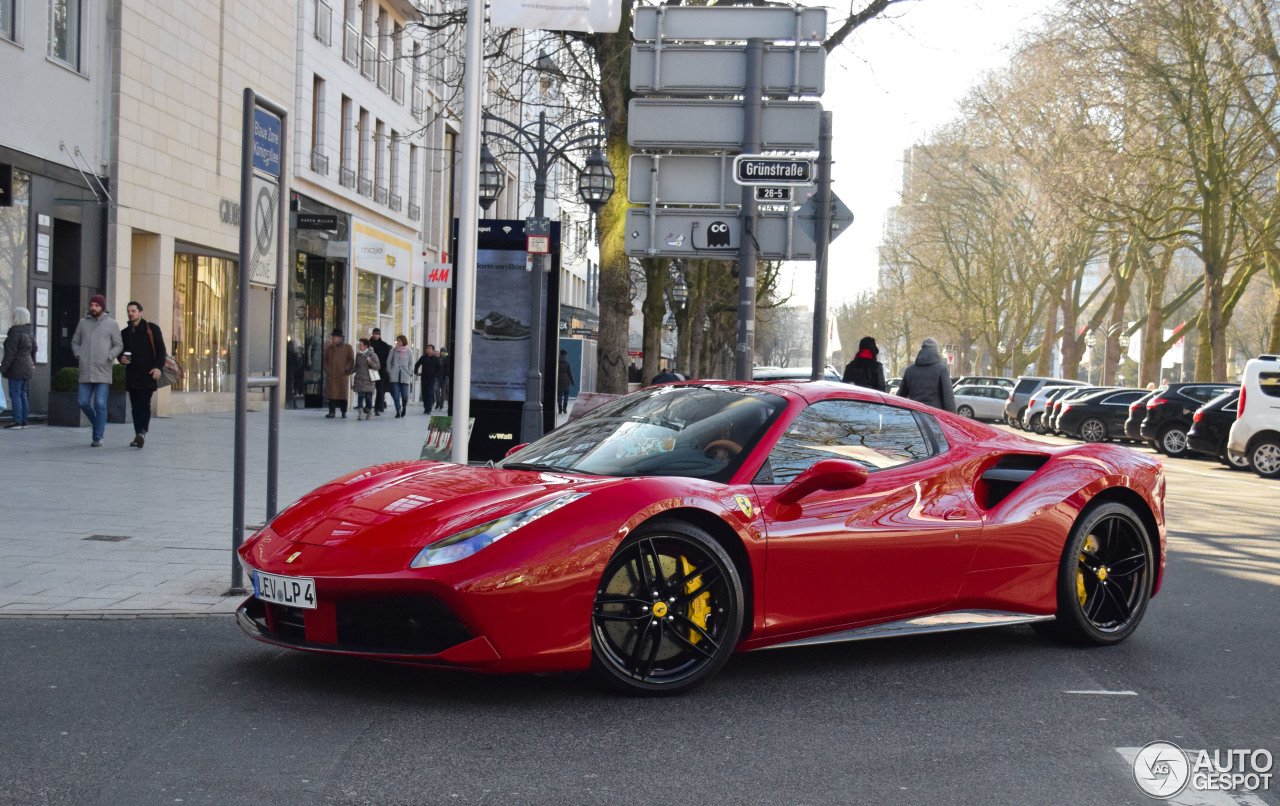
428,367
382,349
143,358
927,380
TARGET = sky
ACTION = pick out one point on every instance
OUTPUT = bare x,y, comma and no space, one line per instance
896,79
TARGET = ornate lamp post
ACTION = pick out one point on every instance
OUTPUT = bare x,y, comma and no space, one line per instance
1107,332
542,144
1090,341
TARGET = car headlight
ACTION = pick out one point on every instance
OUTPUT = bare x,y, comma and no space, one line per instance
465,543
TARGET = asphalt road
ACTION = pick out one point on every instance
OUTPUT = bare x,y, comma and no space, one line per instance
164,711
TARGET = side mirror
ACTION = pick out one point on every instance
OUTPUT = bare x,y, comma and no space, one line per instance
828,474
513,450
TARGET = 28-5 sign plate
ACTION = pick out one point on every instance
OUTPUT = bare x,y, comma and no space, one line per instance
288,591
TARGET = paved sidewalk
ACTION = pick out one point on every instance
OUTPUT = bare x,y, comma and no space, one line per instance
165,510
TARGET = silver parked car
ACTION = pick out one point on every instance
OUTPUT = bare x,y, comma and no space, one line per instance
981,401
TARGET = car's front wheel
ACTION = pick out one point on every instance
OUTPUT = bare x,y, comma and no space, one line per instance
1037,424
1241,463
1104,578
668,610
1264,457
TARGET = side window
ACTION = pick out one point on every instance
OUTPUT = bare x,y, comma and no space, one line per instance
874,435
1269,383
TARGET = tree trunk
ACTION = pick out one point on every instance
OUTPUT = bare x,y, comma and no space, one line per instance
652,309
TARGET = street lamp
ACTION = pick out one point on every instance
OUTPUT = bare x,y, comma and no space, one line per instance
679,288
542,144
1090,341
1107,332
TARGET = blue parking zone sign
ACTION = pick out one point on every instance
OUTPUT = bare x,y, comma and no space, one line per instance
266,142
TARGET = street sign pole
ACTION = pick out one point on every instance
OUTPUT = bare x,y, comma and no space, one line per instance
753,104
822,240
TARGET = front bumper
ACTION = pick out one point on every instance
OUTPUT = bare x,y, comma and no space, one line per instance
407,629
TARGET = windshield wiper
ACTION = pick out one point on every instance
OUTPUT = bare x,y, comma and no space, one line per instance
534,466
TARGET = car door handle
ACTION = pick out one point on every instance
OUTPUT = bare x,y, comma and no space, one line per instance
956,514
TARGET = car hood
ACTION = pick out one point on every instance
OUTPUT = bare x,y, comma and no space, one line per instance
411,504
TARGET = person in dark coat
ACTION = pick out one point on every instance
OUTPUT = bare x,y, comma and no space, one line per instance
18,366
564,380
339,362
667,375
444,383
143,357
927,380
428,367
864,369
383,349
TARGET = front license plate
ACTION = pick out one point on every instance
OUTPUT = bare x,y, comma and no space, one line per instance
291,591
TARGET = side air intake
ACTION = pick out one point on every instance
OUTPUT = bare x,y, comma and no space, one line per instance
1006,476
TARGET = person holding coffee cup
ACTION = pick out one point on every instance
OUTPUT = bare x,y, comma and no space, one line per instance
143,357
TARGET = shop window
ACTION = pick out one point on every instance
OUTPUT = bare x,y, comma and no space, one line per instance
204,322
380,303
64,32
13,252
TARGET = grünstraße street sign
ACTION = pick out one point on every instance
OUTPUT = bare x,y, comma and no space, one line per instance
758,169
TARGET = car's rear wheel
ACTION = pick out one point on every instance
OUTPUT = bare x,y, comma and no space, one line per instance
1227,459
668,610
965,411
1104,578
1093,430
1173,441
1264,457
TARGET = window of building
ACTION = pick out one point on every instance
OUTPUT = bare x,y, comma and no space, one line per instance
319,159
872,434
9,20
64,32
366,153
380,303
14,252
348,135
204,320
415,180
393,148
380,151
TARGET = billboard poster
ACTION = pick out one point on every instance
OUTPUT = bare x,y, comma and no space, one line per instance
501,332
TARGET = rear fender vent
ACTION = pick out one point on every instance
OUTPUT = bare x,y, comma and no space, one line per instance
1005,476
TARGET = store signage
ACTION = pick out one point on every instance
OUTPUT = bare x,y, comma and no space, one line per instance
317,221
437,275
381,252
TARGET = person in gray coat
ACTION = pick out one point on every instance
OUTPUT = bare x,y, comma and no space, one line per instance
927,380
17,366
96,345
363,383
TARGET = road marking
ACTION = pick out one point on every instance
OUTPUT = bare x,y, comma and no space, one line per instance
1190,796
1112,693
1234,476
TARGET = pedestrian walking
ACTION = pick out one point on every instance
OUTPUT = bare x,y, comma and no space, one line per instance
364,382
17,366
143,360
400,374
96,344
564,380
865,369
428,368
339,362
383,349
927,380
633,373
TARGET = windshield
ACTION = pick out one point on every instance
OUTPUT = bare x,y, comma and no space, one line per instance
697,431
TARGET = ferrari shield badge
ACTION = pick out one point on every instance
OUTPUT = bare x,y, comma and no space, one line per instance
744,504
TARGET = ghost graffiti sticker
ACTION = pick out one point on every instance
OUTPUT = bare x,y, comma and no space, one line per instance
718,236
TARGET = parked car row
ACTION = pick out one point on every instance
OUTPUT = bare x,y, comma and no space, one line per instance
1238,424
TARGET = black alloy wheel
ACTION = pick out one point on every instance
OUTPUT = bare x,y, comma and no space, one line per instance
668,610
1105,578
1037,423
965,411
1093,430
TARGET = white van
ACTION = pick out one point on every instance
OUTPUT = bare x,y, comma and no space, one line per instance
1255,435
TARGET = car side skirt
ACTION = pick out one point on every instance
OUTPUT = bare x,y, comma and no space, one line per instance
942,622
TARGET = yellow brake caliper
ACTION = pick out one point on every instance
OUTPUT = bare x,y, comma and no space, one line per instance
700,607
1091,546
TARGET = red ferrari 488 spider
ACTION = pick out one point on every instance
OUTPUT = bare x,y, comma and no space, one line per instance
666,530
